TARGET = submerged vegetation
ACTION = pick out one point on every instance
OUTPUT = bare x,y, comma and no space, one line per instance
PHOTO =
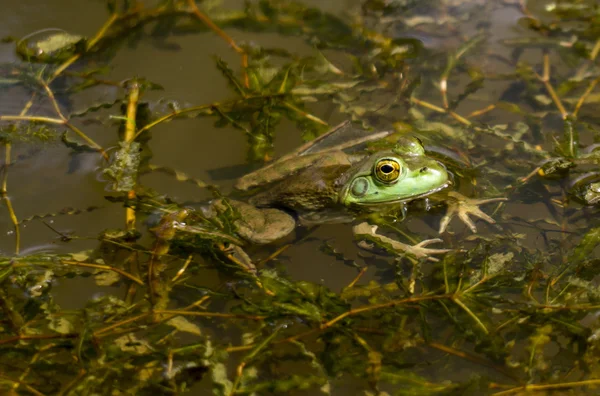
185,303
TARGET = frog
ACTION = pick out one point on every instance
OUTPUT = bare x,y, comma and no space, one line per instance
50,46
322,182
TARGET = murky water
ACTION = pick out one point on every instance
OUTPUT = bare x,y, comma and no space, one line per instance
50,178
183,65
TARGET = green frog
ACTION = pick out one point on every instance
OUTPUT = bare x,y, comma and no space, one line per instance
50,46
324,181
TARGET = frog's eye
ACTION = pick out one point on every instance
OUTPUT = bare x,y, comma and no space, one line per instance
387,170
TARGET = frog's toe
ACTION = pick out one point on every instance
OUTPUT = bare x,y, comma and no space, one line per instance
478,202
446,219
475,211
465,207
427,242
419,250
464,217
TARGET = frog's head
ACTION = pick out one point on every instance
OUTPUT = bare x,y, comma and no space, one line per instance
401,174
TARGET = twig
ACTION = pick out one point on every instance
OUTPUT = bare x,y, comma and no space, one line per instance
134,269
427,105
259,347
182,270
473,358
90,44
459,118
169,116
545,79
539,388
98,333
4,187
383,305
595,50
16,384
66,122
274,254
130,133
583,97
305,114
477,113
216,107
446,283
23,337
105,330
33,360
438,109
9,207
471,314
351,312
68,386
47,120
210,314
357,278
104,267
444,91
212,26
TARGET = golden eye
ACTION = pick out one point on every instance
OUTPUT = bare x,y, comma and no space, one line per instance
387,170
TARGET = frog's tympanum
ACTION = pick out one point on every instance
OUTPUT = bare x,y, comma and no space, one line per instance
325,180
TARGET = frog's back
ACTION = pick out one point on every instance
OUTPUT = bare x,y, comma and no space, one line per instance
310,190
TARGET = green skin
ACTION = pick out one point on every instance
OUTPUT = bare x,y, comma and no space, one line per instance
419,177
335,179
56,47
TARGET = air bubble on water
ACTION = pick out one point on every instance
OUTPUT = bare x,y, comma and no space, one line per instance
98,296
427,204
10,232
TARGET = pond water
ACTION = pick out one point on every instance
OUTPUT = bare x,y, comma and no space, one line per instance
120,122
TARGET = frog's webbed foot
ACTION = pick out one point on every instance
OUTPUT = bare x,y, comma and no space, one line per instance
463,207
420,250
257,225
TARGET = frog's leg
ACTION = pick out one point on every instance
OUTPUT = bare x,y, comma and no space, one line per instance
253,225
420,250
258,226
462,206
238,256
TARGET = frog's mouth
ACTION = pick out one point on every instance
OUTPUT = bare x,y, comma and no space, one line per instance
368,191
393,201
